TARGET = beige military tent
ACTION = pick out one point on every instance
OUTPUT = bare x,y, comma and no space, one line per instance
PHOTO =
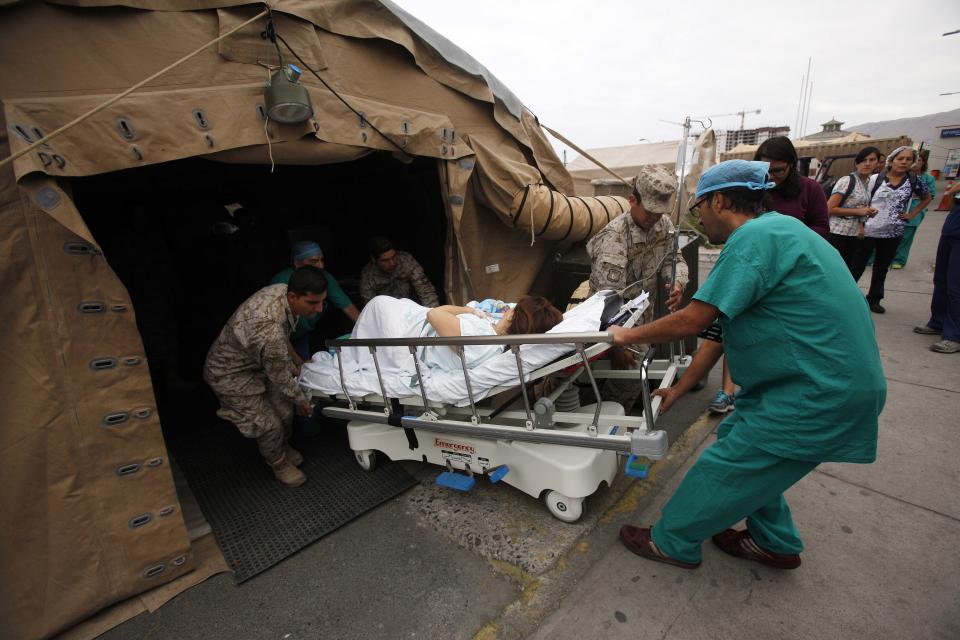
90,513
625,160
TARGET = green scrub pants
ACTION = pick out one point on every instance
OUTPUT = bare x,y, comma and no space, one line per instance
732,480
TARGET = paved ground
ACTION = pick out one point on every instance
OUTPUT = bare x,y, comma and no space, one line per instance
881,558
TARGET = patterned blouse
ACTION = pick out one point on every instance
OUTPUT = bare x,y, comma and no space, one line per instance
891,203
859,197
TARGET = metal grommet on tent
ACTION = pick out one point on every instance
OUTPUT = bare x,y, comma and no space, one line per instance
363,119
132,361
201,119
119,308
153,463
102,364
444,150
262,112
128,469
115,418
21,131
405,127
443,134
142,414
166,511
45,159
140,520
363,136
60,160
77,248
453,136
209,140
178,561
126,129
137,153
91,306
38,133
155,570
48,197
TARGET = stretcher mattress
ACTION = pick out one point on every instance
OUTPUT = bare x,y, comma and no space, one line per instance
322,375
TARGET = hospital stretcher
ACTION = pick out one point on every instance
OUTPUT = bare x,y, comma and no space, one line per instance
550,448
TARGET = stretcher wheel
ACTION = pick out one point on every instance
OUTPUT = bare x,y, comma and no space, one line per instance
367,459
563,508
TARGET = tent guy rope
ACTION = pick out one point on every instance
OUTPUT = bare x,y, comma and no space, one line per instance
124,94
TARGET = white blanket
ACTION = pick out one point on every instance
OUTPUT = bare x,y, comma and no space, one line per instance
442,385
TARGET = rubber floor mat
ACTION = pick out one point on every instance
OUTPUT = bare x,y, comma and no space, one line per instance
256,520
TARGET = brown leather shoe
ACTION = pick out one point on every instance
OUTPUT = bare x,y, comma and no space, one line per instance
286,473
741,545
294,456
638,540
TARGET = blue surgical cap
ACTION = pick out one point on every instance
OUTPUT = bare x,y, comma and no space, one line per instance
732,174
306,249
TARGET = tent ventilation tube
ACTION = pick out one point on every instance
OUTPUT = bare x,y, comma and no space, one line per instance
546,213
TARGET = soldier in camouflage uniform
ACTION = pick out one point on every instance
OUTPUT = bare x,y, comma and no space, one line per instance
394,273
630,252
250,369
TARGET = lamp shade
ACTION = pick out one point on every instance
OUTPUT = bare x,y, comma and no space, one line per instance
287,101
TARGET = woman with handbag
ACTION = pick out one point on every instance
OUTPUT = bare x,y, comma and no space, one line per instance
849,205
891,192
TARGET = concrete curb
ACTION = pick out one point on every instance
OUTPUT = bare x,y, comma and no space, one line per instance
540,595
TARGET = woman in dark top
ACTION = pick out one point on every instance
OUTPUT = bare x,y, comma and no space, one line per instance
794,195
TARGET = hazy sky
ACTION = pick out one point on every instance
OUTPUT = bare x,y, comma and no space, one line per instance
605,72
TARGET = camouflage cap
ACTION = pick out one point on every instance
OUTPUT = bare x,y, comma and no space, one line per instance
656,189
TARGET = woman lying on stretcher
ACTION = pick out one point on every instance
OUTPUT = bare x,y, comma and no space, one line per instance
386,317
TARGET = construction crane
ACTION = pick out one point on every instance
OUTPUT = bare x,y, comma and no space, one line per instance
743,115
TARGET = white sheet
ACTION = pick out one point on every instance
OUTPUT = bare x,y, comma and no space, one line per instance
447,387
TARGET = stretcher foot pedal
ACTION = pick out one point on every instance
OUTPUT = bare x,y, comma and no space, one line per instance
636,469
456,481
497,473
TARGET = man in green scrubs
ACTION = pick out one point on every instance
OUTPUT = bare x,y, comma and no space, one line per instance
309,253
800,341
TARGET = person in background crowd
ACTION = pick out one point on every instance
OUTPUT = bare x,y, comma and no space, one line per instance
891,193
849,205
910,229
794,195
250,370
945,305
309,253
394,273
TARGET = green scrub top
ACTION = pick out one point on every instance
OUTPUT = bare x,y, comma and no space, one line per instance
799,341
335,295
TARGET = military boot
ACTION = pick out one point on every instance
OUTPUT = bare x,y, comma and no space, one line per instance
294,456
286,473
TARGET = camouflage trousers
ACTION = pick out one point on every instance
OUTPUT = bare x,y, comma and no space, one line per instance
267,417
625,392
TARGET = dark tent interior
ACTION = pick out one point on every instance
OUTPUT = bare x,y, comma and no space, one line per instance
188,261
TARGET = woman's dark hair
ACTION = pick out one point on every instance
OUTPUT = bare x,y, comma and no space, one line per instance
379,246
866,151
307,279
534,314
781,149
922,159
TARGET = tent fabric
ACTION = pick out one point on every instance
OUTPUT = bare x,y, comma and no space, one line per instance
624,160
85,484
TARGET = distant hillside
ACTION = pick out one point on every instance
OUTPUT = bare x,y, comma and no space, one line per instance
920,128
